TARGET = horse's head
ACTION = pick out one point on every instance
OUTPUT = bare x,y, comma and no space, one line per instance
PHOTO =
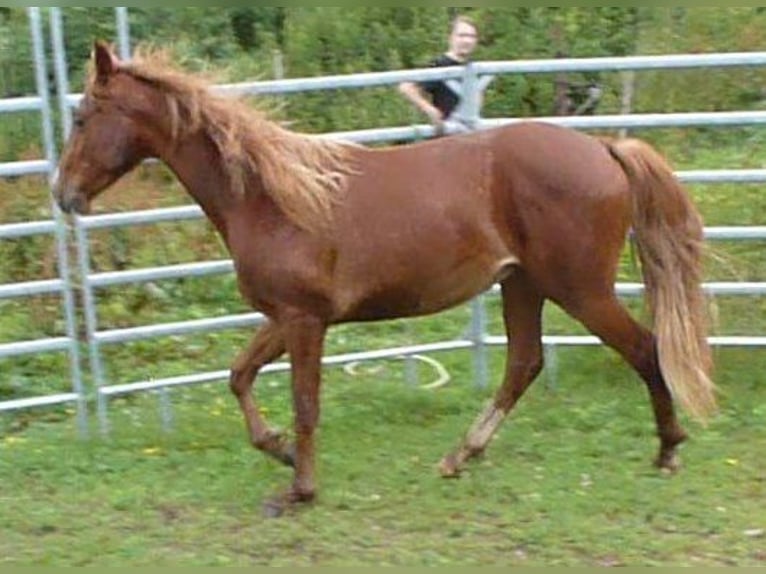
106,140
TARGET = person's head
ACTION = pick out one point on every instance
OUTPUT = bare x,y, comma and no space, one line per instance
463,38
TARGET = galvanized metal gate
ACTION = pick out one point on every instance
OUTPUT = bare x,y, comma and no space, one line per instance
55,227
472,79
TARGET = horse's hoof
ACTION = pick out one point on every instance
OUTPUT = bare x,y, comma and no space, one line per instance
274,508
277,507
449,468
295,497
668,463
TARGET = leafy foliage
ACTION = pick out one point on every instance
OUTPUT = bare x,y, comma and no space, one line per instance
336,40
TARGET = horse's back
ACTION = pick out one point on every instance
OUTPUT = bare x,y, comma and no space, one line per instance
557,159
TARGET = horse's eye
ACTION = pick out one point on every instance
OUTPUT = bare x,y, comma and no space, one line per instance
78,121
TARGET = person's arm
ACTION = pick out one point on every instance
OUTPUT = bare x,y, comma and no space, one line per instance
413,93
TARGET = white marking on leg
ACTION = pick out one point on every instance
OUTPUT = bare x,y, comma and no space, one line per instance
484,428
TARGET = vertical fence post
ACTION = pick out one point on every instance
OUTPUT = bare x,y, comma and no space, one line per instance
123,32
41,77
551,366
91,323
60,70
478,337
470,113
64,268
470,105
166,409
411,364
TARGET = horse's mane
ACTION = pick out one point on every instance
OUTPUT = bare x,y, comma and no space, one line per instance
304,175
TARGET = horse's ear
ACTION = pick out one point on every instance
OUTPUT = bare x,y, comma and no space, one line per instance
106,62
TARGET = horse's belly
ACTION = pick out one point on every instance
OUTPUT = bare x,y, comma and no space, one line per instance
463,283
424,293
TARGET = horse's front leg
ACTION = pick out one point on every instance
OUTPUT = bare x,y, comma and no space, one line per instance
304,338
267,345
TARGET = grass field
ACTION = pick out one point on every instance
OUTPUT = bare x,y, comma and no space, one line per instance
568,481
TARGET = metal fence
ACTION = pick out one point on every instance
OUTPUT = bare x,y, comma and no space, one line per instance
55,227
472,79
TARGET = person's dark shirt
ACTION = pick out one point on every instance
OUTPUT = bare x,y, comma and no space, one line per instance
444,99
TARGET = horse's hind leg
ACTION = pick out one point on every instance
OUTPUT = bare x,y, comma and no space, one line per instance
266,346
605,317
522,312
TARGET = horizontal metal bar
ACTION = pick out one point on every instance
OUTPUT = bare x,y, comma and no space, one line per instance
387,135
635,121
202,269
17,230
31,288
737,341
31,347
731,288
723,176
366,80
197,379
424,131
397,352
19,168
73,100
383,135
32,402
201,378
23,104
720,289
588,341
343,81
150,216
636,63
182,328
720,233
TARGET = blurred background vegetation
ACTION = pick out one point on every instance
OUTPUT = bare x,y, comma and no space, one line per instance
263,42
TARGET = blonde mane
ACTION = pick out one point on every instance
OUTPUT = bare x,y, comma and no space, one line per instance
304,175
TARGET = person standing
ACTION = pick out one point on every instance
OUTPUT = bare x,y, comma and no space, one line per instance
435,98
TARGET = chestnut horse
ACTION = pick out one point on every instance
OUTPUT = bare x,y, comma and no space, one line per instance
323,233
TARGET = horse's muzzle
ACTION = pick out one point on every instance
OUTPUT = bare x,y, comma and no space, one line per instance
72,201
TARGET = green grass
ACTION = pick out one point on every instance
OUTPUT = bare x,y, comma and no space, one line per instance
566,482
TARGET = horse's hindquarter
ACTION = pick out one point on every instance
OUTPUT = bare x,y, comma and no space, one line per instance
416,233
565,203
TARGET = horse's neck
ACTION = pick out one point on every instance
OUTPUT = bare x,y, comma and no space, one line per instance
198,168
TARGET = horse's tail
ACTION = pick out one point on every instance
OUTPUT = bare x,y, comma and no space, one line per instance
669,233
